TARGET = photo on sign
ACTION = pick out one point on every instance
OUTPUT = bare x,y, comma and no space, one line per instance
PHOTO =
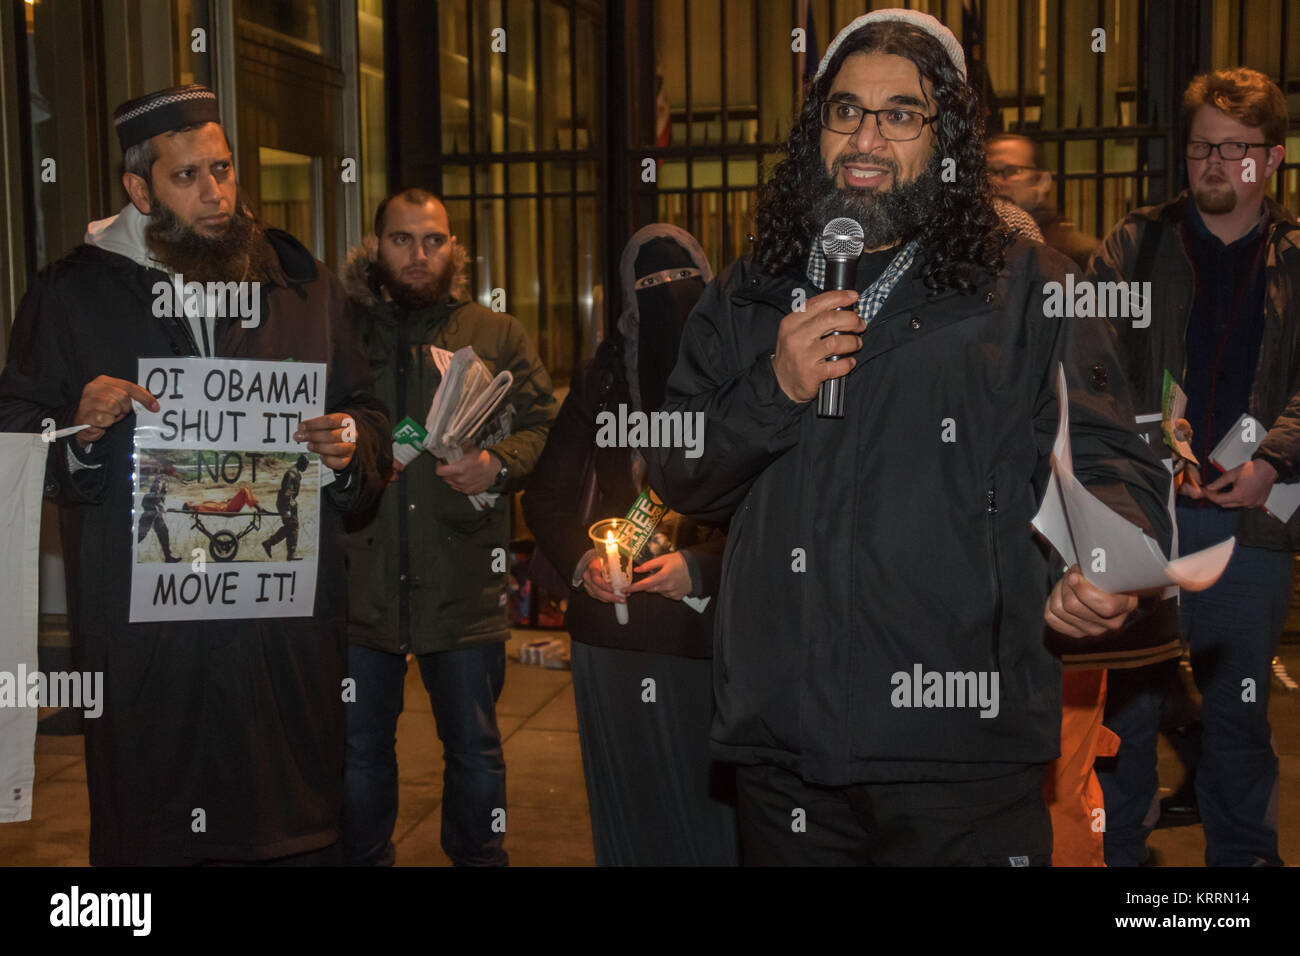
235,506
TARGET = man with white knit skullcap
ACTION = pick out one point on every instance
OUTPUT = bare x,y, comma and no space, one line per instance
880,672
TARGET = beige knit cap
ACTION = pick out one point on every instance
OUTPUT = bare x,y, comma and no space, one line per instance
922,21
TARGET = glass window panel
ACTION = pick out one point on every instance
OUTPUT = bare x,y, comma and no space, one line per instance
454,75
1077,97
191,67
707,173
671,174
557,176
523,177
1262,49
777,81
309,24
1292,38
487,252
589,48
490,91
705,26
556,130
374,153
672,208
591,267
742,171
58,86
287,191
670,60
1119,197
739,83
455,181
489,178
561,307
1080,156
458,219
708,223
520,75
523,263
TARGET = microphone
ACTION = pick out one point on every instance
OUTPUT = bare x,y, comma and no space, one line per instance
842,246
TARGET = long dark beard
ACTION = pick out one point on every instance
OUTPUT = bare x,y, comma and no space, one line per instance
898,213
413,298
241,254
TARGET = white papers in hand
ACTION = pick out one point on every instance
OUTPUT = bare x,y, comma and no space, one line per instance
1237,448
1112,553
467,398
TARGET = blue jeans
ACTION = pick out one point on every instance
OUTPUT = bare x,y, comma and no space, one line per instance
1232,631
463,688
1130,782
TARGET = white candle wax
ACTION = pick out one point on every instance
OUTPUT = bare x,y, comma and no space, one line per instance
617,580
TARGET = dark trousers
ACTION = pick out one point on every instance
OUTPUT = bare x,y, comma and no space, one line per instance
656,796
1231,630
1130,780
785,821
463,688
288,532
158,522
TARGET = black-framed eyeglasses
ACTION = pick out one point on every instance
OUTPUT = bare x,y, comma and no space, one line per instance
1199,149
894,123
1009,170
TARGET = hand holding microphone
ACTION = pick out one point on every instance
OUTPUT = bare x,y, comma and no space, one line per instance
805,340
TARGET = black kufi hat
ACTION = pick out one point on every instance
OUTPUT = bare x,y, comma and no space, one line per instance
163,111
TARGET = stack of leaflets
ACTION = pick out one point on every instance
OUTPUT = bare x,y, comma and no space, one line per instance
467,408
1238,447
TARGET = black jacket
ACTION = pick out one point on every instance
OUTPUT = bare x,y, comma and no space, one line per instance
1147,352
551,507
917,550
242,719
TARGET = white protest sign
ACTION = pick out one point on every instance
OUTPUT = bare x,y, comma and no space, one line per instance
227,504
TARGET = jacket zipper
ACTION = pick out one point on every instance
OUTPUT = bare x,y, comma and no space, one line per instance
995,577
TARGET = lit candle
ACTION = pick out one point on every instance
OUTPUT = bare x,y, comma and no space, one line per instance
617,579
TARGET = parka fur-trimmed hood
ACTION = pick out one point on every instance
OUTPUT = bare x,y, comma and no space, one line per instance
361,281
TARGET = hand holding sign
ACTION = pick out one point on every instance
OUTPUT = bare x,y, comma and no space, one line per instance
332,436
106,401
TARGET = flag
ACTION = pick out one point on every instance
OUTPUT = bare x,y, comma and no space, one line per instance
22,479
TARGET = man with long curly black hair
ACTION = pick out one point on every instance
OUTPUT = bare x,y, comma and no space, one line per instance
879,665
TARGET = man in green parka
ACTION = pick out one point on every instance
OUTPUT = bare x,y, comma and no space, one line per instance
427,568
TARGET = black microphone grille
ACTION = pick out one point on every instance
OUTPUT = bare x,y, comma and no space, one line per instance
842,239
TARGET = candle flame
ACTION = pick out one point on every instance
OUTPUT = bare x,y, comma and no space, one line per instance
609,539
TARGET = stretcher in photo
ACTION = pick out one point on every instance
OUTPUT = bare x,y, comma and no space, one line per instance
234,505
